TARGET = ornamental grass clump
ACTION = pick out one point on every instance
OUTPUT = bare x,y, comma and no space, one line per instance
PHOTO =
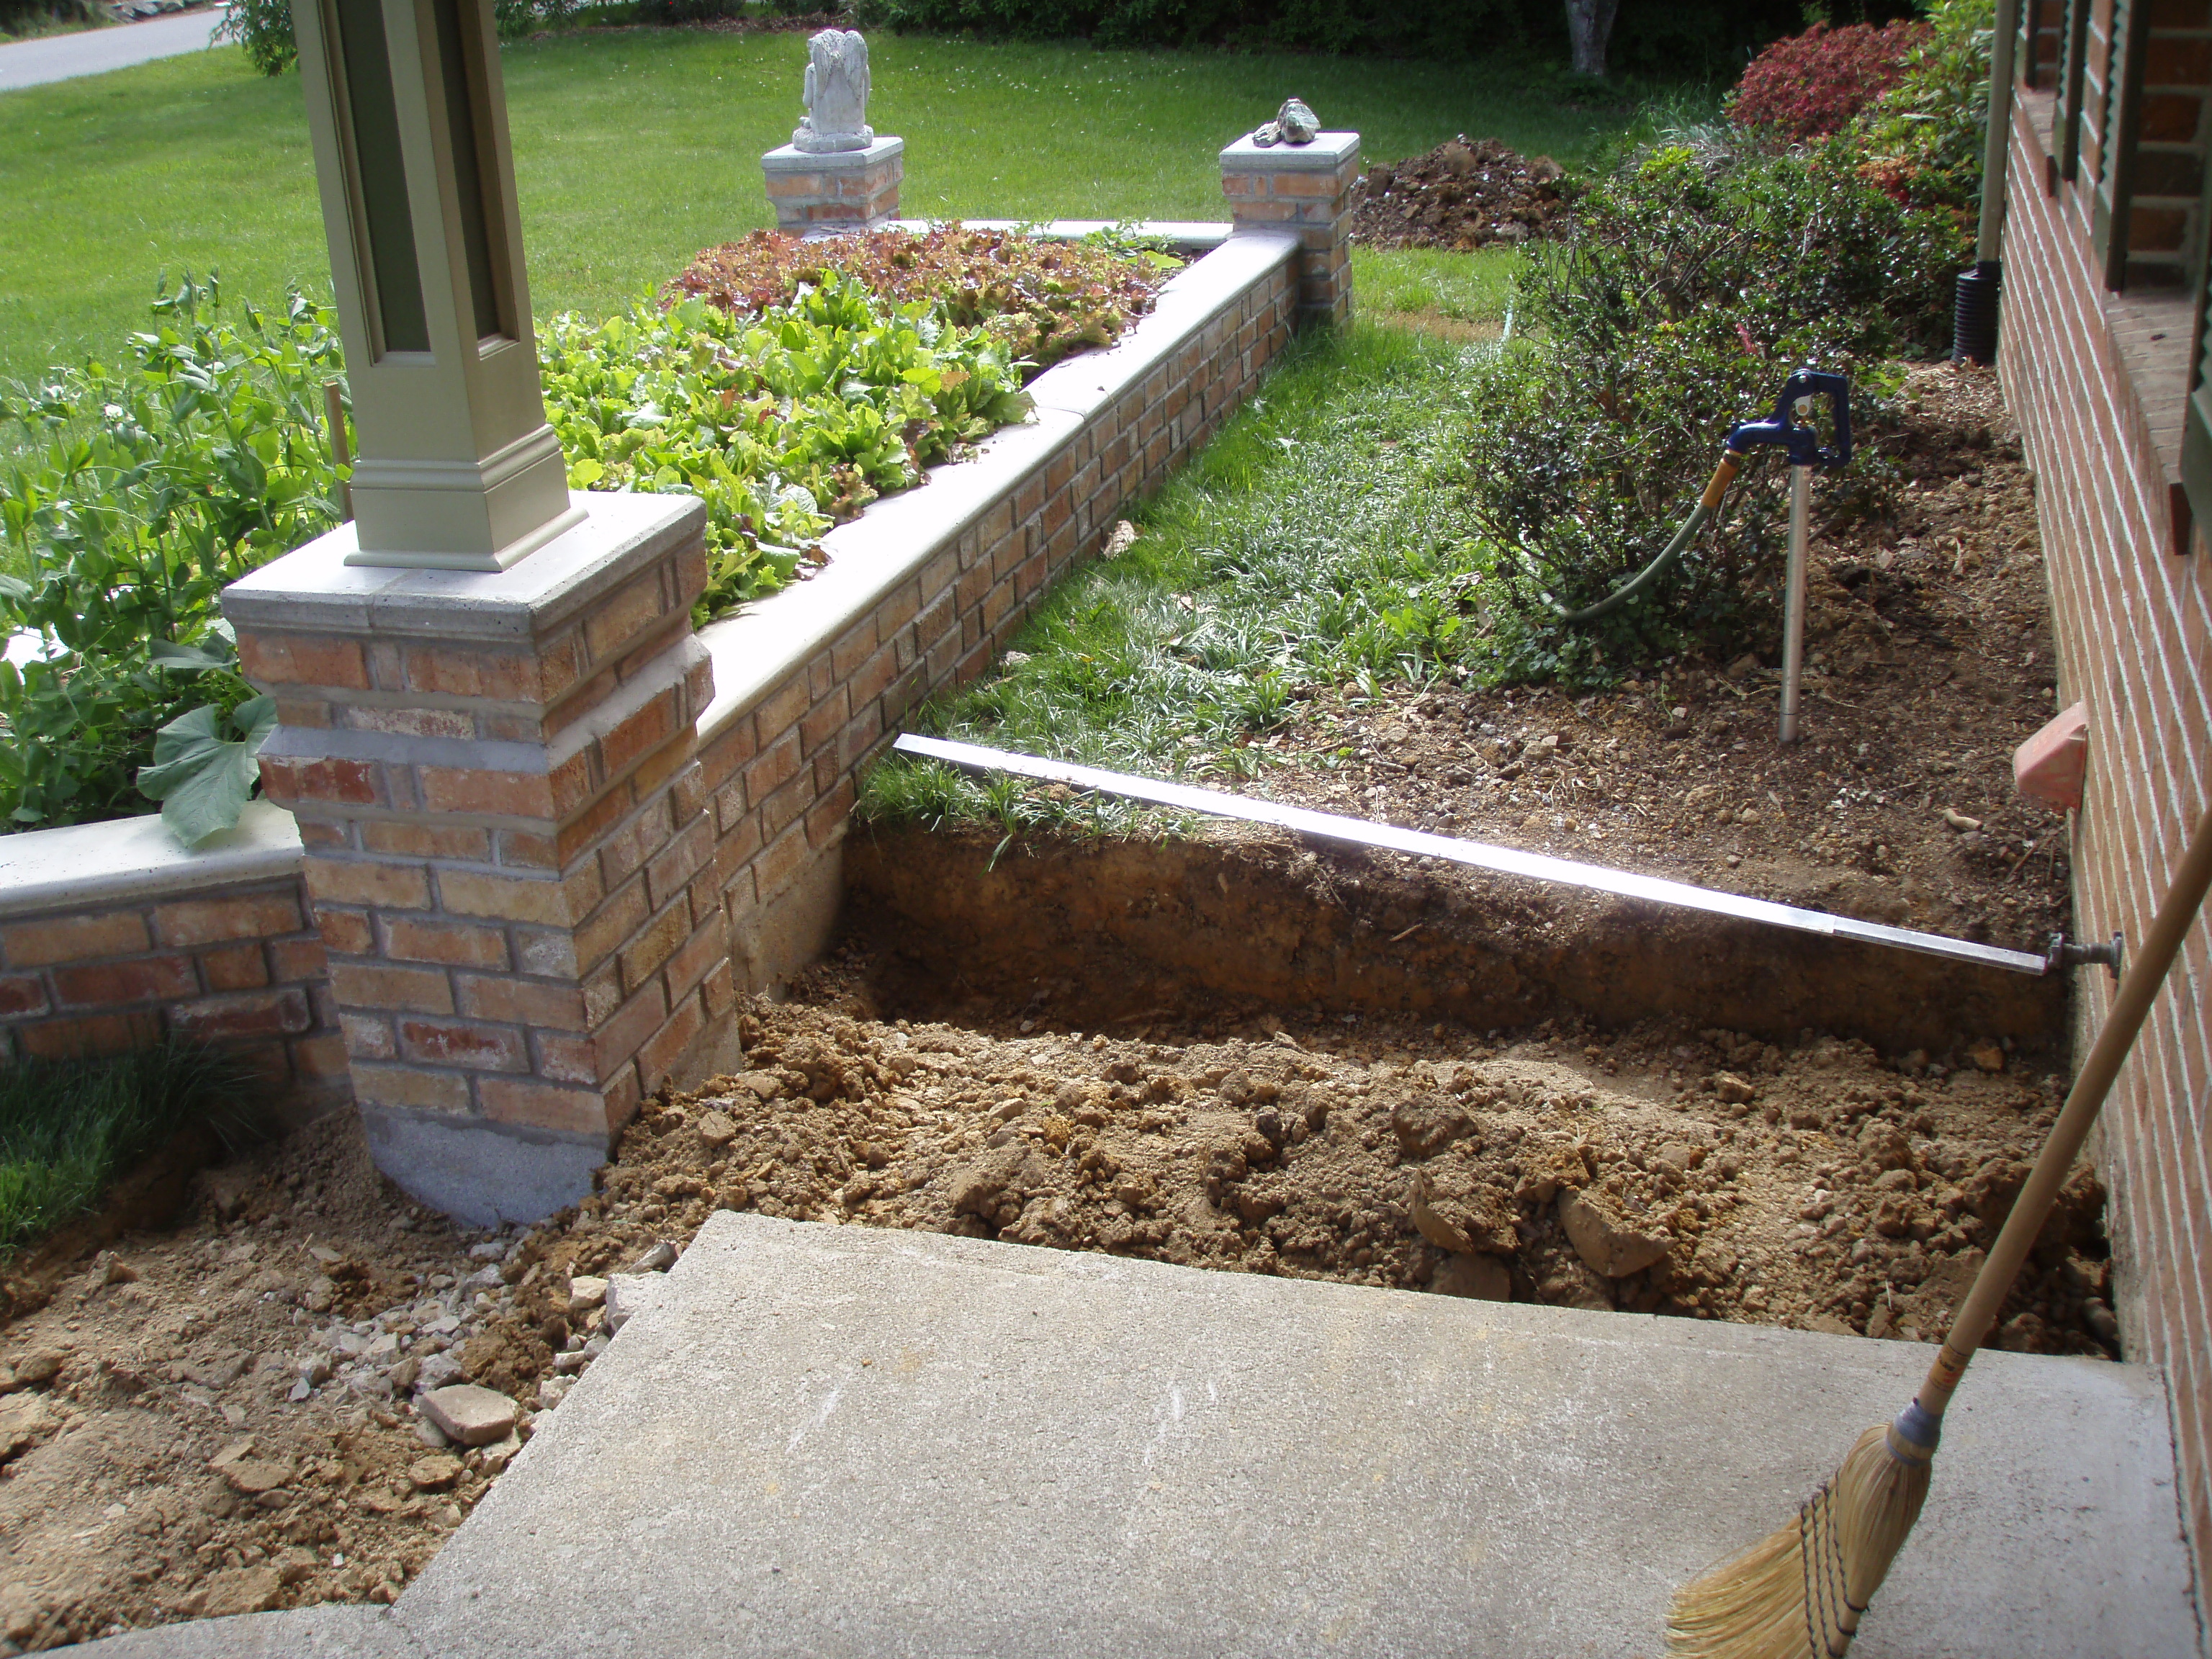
1042,300
783,422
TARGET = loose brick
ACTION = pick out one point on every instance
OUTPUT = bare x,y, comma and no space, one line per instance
251,1014
520,1001
366,985
654,945
542,900
146,979
213,920
454,1042
74,939
346,932
269,659
458,945
368,882
529,1103
237,968
90,1034
23,993
413,1088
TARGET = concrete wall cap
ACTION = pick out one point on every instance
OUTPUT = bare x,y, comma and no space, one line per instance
1327,152
85,865
789,158
1191,235
313,589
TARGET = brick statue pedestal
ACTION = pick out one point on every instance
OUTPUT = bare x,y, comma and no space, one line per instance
508,849
1306,188
838,190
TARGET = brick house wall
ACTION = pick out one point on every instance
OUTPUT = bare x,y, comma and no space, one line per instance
2095,378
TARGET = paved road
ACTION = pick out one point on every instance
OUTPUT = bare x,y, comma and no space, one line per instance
95,51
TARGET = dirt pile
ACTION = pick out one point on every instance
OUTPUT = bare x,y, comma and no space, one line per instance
229,1418
1464,194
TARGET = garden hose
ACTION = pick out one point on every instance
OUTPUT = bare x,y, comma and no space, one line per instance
1723,475
1801,443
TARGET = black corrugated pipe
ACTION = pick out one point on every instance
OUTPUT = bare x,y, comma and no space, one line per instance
1974,314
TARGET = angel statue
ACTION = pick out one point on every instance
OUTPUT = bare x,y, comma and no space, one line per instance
836,94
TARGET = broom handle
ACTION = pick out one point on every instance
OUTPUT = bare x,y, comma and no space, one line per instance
2145,975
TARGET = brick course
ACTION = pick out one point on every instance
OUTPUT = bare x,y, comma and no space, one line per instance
2133,622
238,968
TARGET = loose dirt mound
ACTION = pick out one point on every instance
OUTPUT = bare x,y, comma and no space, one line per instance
219,1419
1463,194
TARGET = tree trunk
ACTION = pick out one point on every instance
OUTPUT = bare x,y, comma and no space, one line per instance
1589,26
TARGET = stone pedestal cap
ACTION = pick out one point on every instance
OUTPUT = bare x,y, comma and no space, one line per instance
792,159
1327,152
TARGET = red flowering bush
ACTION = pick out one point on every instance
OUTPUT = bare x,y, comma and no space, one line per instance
1811,85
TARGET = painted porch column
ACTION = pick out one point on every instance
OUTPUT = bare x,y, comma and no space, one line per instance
487,690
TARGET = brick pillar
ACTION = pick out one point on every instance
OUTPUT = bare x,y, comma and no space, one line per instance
1307,187
508,851
842,190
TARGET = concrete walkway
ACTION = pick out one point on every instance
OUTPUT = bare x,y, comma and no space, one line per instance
95,51
831,1441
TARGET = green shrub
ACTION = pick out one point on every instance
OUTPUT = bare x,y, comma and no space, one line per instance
263,28
1922,142
151,489
1695,282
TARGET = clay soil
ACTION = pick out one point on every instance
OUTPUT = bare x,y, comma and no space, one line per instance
1464,194
1928,658
218,1419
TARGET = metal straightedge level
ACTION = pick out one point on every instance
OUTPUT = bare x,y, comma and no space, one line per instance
1505,860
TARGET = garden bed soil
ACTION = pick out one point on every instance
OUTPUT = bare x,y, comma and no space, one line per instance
1463,195
1929,659
217,1419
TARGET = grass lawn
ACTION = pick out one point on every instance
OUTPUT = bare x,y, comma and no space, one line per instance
634,149
68,1128
1318,540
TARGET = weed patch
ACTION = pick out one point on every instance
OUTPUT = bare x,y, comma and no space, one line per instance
68,1128
1320,539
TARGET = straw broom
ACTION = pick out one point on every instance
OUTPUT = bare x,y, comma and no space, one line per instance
1800,1594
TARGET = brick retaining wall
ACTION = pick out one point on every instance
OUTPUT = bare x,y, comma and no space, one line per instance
102,950
2133,624
925,589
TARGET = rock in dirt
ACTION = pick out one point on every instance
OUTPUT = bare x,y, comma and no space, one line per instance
39,1365
23,1418
435,1472
248,1590
250,1477
1606,1243
631,1294
1484,1278
469,1414
658,1260
585,1292
717,1129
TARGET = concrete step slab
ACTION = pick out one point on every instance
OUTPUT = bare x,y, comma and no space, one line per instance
829,1441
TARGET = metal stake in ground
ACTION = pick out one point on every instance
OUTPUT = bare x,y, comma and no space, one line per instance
1803,1590
1793,608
